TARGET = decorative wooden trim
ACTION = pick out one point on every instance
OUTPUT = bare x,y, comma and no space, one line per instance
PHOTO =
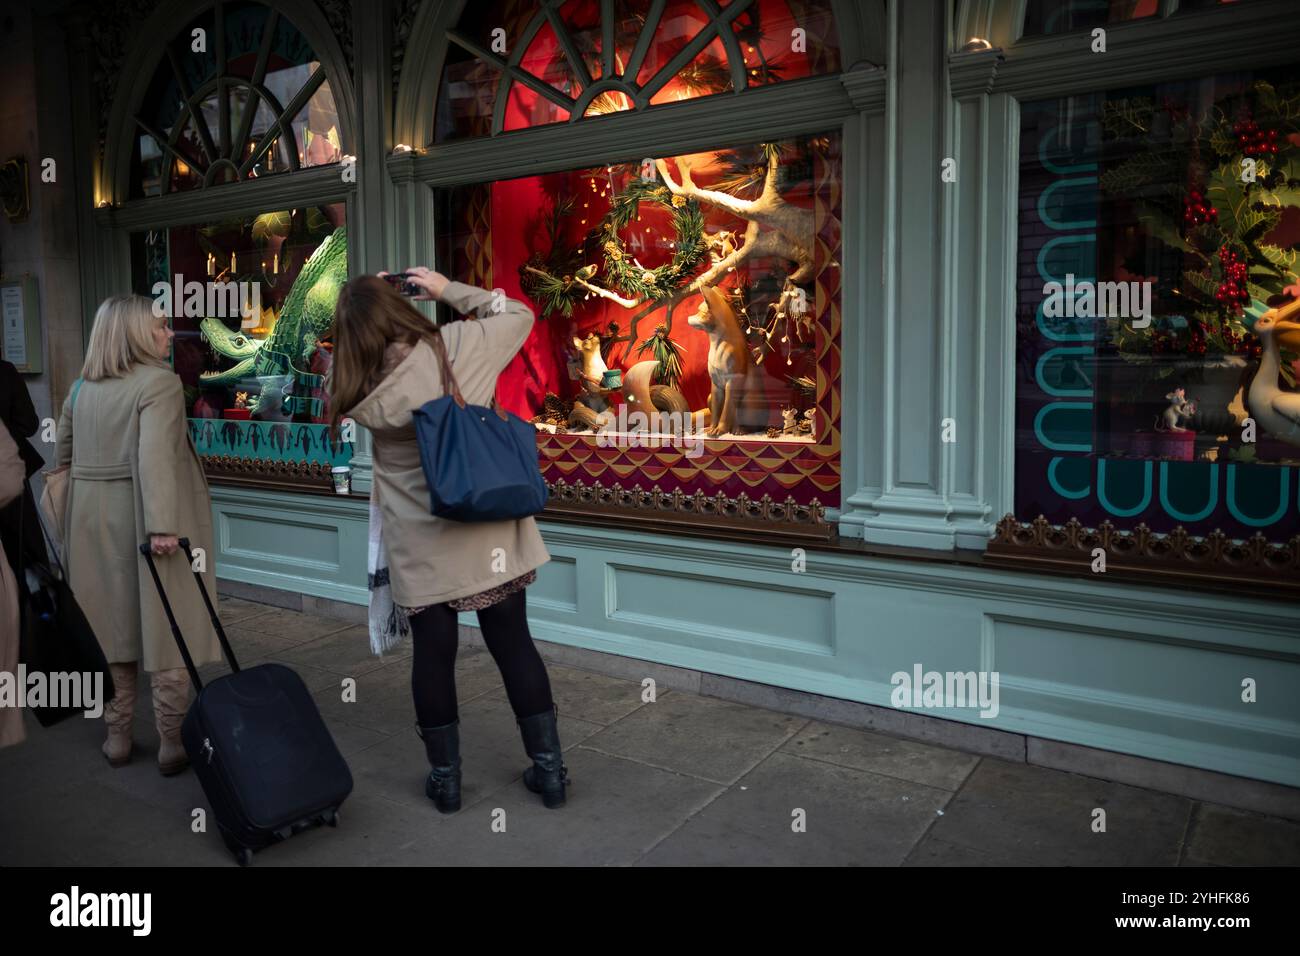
1150,50
303,187
974,73
308,476
815,104
1255,565
866,86
672,509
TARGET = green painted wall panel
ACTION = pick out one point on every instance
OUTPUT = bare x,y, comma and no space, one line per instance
1142,670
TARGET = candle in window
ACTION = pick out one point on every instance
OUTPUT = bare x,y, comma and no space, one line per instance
232,262
275,262
212,264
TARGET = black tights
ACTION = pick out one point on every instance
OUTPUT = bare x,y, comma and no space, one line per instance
505,631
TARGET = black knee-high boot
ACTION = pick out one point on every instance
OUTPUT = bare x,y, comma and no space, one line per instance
548,774
442,745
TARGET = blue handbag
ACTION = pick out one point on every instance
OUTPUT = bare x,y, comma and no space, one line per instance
480,463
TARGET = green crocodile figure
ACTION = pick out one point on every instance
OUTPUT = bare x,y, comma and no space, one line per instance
286,354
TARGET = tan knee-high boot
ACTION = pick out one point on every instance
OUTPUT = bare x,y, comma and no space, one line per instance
119,712
171,701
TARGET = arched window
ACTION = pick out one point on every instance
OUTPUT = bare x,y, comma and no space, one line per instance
217,99
238,94
530,63
685,265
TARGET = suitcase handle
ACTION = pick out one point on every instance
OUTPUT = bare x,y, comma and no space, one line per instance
226,649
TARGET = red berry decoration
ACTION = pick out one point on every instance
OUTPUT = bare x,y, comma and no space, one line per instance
1232,290
1196,211
1253,140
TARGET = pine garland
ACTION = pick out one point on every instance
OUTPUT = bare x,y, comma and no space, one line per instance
689,249
667,353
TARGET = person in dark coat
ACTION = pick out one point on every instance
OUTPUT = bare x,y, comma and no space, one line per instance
19,417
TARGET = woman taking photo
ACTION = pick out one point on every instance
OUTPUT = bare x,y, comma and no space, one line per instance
135,477
386,366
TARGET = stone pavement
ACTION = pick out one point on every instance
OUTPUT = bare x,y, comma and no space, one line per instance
684,780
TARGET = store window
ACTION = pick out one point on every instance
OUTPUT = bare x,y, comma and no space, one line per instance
252,299
1159,307
689,315
686,359
1046,17
238,95
525,63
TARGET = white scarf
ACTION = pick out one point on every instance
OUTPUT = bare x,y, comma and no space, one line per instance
388,624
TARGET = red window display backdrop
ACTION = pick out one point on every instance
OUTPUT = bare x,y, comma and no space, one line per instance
776,40
496,228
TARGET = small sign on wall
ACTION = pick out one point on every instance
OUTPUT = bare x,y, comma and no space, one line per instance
20,324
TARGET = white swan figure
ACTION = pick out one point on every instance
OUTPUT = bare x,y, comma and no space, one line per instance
1276,411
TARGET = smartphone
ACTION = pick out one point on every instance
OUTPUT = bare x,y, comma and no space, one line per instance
400,281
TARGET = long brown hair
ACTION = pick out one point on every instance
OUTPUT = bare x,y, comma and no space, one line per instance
369,314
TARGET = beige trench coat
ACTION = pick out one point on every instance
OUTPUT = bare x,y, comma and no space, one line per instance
432,560
12,473
135,473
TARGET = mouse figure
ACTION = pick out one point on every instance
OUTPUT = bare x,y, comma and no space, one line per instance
1180,409
789,421
806,426
728,359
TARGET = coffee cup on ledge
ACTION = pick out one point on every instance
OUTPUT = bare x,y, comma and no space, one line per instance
342,475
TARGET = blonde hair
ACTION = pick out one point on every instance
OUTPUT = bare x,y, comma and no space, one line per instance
121,338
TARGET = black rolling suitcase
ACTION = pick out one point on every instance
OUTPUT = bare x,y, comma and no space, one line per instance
255,737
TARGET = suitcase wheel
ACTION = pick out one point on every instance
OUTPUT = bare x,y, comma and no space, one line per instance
332,818
243,856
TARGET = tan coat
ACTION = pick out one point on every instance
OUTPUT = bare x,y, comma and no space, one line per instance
135,473
432,560
12,473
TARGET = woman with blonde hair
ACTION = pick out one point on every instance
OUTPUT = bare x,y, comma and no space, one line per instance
388,361
135,476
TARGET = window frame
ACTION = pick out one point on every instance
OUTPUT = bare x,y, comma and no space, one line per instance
116,215
1175,44
798,107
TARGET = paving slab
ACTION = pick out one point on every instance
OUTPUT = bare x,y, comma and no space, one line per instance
588,696
881,754
492,756
232,610
684,780
346,653
616,811
292,626
792,811
1021,813
250,644
711,739
370,827
1221,836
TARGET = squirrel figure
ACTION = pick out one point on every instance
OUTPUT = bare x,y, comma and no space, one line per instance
1180,409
